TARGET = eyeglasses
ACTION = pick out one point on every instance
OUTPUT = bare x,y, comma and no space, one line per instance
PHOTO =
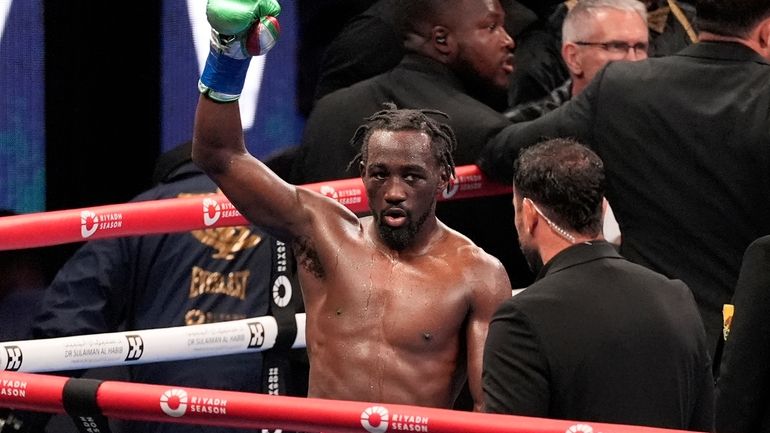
617,47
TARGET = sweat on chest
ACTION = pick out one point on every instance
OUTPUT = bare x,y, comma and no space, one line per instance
417,313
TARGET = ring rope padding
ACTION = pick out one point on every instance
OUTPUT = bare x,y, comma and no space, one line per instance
168,403
193,213
145,346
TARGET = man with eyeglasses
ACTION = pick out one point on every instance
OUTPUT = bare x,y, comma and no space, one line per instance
596,337
540,67
594,33
685,142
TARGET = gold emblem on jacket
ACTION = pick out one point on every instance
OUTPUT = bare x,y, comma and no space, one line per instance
227,241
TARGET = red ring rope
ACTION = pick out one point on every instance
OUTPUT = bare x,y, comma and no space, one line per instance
124,400
193,213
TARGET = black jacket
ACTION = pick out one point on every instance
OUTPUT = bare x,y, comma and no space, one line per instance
597,338
743,389
686,147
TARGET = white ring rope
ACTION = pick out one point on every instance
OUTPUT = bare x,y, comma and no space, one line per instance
145,346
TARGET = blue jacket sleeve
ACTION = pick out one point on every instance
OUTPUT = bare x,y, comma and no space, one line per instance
89,293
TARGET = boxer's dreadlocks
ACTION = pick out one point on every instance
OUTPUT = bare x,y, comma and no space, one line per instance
443,140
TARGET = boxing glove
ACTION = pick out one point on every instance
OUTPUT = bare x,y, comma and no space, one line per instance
240,29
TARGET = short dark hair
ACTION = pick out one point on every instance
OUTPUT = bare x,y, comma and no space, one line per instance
415,16
442,137
730,17
567,179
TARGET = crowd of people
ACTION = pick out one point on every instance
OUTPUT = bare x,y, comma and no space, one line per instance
658,108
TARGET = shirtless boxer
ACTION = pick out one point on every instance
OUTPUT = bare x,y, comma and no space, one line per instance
397,303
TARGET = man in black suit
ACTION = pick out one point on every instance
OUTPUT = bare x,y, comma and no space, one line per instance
596,337
686,145
743,395
349,58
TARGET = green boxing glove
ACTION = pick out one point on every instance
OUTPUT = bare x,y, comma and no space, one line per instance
235,17
240,29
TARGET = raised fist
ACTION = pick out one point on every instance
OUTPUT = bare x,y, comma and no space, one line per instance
243,28
240,29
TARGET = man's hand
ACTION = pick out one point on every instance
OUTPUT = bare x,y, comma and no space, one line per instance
240,29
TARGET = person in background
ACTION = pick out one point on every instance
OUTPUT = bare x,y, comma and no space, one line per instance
685,143
397,302
594,33
743,396
178,279
596,337
458,57
541,68
349,58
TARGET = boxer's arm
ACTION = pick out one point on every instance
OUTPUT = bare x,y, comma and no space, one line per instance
218,143
493,287
218,148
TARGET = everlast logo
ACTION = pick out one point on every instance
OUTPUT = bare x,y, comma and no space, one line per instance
257,331
135,347
230,284
14,358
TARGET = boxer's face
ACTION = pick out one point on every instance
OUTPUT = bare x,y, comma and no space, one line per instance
401,176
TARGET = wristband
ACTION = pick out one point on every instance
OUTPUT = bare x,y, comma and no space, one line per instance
223,77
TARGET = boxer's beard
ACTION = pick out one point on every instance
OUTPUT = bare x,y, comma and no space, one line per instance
398,238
